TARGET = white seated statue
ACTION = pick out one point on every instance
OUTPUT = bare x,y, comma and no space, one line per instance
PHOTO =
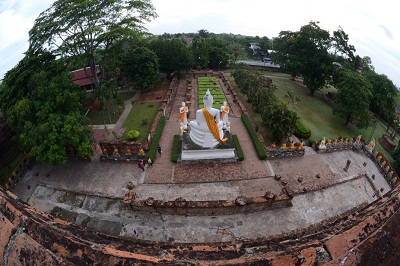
206,130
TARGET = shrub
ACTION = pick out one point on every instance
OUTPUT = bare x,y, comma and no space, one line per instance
239,150
302,131
133,134
156,138
261,153
175,149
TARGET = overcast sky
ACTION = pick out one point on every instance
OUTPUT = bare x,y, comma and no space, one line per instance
371,25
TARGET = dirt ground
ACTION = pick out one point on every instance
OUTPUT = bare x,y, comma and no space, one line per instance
155,94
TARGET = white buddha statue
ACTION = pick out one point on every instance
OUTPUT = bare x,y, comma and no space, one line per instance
206,130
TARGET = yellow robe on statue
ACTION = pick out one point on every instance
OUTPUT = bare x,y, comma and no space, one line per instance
212,125
182,115
225,111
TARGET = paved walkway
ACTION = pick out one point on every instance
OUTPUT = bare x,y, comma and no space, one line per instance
90,193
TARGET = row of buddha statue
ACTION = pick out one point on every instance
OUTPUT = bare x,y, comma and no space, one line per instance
207,129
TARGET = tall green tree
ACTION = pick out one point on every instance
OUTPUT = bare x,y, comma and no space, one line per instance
47,117
173,55
384,92
140,66
308,52
79,28
353,98
279,121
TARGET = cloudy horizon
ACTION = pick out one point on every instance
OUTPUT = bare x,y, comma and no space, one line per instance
370,25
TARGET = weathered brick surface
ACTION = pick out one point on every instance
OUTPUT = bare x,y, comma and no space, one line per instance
6,230
365,236
26,251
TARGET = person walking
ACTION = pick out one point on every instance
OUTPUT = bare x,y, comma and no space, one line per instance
141,165
149,162
159,149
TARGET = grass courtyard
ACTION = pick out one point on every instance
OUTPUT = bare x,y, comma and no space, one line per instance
210,83
141,118
112,110
315,113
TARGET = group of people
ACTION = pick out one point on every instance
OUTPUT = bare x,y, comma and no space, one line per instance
149,161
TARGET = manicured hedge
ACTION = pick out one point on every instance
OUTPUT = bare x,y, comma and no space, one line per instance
175,149
239,150
302,131
261,153
156,138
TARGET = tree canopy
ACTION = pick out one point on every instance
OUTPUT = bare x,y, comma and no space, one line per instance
140,66
173,55
383,90
307,52
78,28
353,98
46,113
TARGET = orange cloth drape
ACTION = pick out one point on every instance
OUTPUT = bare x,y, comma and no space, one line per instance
182,116
212,125
226,109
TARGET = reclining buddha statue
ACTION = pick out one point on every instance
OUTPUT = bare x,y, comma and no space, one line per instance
206,130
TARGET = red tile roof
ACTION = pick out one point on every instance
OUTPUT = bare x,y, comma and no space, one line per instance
81,77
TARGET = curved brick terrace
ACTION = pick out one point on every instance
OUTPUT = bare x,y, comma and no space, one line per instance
334,218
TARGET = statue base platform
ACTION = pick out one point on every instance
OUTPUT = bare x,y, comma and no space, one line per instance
191,151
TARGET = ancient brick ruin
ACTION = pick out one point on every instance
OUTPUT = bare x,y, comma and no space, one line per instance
367,235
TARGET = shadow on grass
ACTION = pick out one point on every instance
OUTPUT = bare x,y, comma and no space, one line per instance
112,111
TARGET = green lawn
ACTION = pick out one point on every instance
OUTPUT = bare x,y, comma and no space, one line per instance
139,113
112,112
318,116
315,113
210,83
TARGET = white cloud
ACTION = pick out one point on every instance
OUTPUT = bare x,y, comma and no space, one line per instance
371,26
17,18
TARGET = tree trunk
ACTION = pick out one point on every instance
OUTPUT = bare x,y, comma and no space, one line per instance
312,91
347,121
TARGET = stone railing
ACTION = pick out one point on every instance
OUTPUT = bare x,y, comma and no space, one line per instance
280,153
181,206
122,151
377,157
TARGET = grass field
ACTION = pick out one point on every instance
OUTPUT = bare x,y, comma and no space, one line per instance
317,114
207,83
112,112
143,111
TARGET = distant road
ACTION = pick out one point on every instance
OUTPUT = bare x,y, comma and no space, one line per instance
257,63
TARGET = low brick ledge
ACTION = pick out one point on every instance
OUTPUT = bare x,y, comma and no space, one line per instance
66,243
180,206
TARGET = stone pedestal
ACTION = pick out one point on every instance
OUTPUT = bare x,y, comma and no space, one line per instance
192,151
